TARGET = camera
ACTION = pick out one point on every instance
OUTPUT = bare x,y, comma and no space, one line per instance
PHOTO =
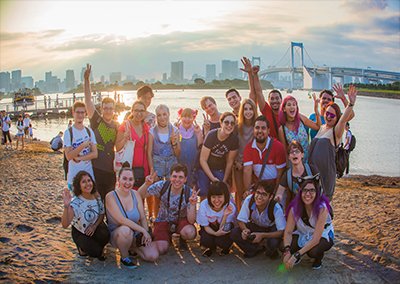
172,228
139,240
227,227
251,237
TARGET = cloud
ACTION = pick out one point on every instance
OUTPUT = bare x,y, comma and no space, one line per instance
366,5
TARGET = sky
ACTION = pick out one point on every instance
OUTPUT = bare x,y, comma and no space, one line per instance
142,38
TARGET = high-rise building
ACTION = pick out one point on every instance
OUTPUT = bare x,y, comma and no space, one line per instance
16,79
52,83
177,72
164,77
211,72
115,77
5,82
27,82
69,79
229,69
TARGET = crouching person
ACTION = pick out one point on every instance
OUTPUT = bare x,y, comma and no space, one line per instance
261,222
177,212
215,217
85,211
309,227
127,221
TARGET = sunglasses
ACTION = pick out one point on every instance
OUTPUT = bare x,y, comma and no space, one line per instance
262,194
330,115
315,177
226,122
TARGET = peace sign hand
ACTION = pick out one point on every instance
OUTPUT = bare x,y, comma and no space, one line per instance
197,128
88,70
193,197
246,65
150,179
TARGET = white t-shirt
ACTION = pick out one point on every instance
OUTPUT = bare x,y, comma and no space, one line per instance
86,212
348,137
5,125
20,128
27,121
261,219
207,216
78,137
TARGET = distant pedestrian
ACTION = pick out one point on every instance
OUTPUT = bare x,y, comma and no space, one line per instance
5,127
27,122
20,132
57,143
347,143
45,102
30,130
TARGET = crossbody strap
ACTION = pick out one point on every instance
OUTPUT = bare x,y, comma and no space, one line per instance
120,203
265,159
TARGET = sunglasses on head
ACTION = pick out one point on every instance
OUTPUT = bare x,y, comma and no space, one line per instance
330,115
315,177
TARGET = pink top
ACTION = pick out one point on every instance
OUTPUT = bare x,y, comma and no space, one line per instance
141,142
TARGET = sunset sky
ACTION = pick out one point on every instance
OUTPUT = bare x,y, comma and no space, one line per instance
142,38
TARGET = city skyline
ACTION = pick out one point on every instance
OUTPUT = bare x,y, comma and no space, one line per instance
136,39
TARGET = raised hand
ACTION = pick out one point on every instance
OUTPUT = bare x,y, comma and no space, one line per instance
174,137
352,94
206,124
255,69
316,100
193,197
150,179
338,88
86,75
246,65
66,195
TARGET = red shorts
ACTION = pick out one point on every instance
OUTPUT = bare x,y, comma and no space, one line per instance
161,229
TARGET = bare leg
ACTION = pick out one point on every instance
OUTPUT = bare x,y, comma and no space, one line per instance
162,246
122,238
188,232
148,253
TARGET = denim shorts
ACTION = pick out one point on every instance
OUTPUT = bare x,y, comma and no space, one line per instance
163,165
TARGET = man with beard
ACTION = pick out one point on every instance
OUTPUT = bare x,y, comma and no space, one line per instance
271,109
255,153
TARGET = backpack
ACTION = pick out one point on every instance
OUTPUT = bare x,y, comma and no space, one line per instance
185,188
352,143
290,178
341,157
65,161
271,207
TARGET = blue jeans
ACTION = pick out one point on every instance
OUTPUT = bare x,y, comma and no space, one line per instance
203,181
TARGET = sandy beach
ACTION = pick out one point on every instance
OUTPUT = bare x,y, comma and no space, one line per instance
34,248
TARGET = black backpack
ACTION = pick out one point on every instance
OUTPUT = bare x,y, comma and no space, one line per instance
65,161
185,188
352,143
341,157
271,207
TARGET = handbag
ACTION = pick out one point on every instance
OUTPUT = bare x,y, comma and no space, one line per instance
126,153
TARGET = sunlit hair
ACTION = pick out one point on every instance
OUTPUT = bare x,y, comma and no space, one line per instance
241,119
283,116
295,145
142,91
133,106
162,106
187,112
107,100
232,90
225,115
329,92
218,188
297,203
276,92
78,104
76,183
204,100
336,107
179,168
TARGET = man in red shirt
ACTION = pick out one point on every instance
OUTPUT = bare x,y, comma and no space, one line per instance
255,151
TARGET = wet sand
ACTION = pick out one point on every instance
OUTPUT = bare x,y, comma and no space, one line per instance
34,248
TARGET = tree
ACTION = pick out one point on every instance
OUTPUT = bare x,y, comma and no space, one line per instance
199,81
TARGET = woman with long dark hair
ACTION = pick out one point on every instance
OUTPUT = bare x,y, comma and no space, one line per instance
85,211
309,227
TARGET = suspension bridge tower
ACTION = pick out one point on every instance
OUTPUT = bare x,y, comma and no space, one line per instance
300,46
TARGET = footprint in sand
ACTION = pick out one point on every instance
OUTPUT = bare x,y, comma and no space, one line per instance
54,220
23,228
4,240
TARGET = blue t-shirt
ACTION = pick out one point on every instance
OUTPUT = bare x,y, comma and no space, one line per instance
311,131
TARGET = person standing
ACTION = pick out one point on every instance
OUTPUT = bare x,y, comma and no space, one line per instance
20,132
105,130
5,127
27,122
346,146
145,94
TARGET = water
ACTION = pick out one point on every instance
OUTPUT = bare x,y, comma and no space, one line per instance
375,124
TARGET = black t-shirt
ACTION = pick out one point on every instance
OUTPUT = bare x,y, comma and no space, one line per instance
219,149
106,134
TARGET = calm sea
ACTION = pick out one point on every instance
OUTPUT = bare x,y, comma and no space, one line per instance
375,124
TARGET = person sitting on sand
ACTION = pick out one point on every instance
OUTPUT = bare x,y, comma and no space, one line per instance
215,217
85,211
261,222
127,220
309,227
177,212
56,143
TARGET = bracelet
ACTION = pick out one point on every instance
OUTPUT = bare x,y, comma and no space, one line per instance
297,255
350,105
286,248
66,206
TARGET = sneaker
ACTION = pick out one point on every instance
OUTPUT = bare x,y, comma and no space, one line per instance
317,264
128,263
207,252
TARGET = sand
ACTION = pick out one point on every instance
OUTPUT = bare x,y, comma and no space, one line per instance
34,248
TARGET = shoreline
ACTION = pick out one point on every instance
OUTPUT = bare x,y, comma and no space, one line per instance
34,247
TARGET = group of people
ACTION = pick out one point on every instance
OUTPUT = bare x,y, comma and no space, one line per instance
264,182
24,130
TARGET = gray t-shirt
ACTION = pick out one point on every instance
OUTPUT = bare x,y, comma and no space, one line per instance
171,214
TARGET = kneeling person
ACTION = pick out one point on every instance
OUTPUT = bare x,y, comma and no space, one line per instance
215,217
177,212
261,222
